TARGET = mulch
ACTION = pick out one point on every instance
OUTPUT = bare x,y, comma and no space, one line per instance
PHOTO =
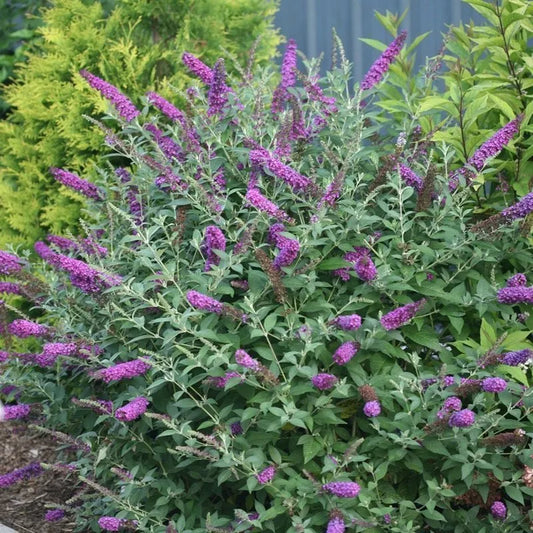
24,504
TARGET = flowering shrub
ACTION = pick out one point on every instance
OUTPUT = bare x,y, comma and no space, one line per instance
291,329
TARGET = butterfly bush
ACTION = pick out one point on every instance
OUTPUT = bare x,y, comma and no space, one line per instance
286,332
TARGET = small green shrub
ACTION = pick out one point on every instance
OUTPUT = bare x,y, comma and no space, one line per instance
282,333
137,46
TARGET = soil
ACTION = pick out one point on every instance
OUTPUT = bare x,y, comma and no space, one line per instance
24,504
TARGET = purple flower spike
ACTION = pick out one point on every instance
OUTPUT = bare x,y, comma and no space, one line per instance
288,253
515,295
220,381
122,104
519,357
411,178
324,381
55,515
336,525
453,403
398,317
168,109
347,322
9,263
498,510
342,489
383,63
15,412
345,352
88,189
127,370
218,91
266,475
198,68
518,280
244,359
288,77
25,328
132,410
462,419
214,240
203,302
260,202
494,384
24,473
372,409
365,268
521,209
236,428
9,288
110,523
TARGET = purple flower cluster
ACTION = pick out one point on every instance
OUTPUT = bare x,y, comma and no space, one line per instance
324,381
412,179
110,523
266,475
9,288
168,146
54,515
494,384
9,263
336,525
132,410
87,245
214,240
52,350
364,267
402,315
260,202
383,63
236,428
220,381
14,412
26,328
345,352
453,403
372,409
288,77
333,191
168,109
264,159
127,370
197,67
244,359
515,295
347,322
521,209
289,248
342,489
122,104
204,302
24,473
88,189
462,419
518,280
217,97
498,510
519,357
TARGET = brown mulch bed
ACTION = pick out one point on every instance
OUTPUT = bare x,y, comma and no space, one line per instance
24,504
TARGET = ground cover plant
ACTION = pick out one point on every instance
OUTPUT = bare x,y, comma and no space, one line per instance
272,323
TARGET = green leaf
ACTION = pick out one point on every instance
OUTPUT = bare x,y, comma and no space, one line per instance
333,263
435,445
311,448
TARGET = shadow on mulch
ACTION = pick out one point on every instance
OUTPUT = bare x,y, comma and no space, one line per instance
24,504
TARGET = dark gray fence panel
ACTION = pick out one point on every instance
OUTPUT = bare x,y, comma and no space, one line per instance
309,22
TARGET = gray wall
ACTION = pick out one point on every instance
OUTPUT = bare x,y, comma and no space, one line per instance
309,22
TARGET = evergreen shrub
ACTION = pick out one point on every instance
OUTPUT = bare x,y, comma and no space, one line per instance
273,324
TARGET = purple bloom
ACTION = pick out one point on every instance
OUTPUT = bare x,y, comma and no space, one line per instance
518,280
515,295
343,489
24,473
288,77
453,403
214,240
220,381
274,234
260,202
55,515
217,97
521,209
387,518
236,428
9,263
25,328
347,322
462,419
333,191
448,381
198,68
204,302
166,108
52,350
9,288
168,146
263,158
382,64
87,245
122,104
244,359
266,475
498,510
336,525
324,381
494,384
127,370
519,357
289,250
400,316
345,352
411,178
365,268
110,523
88,189
14,412
132,410
372,409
